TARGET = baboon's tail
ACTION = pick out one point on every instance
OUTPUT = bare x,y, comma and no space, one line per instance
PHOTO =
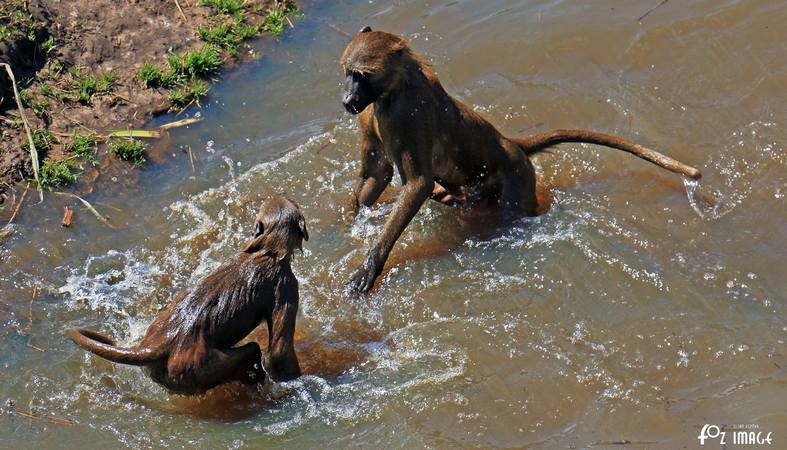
539,142
105,348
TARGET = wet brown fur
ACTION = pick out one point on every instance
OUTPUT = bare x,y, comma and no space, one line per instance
189,347
441,148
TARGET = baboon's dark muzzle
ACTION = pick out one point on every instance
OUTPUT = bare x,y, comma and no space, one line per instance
352,104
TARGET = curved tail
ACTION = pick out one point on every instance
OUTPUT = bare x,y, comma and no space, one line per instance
105,348
538,142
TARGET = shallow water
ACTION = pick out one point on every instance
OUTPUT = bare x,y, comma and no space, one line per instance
638,308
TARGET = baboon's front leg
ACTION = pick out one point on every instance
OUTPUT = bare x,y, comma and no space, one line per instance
376,170
281,360
376,174
414,194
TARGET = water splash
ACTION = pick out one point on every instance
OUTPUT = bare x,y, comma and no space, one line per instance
705,205
752,154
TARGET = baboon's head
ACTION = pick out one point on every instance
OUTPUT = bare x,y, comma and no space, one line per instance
279,228
375,64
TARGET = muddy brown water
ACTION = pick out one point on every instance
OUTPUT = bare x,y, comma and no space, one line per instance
629,312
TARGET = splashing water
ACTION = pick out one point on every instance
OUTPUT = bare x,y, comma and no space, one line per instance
563,330
703,204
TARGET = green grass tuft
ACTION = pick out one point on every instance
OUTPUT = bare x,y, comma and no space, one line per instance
179,97
17,22
196,63
199,88
227,35
152,76
85,85
202,62
39,106
192,91
82,145
225,6
130,150
56,173
48,45
227,29
176,64
25,94
47,91
275,22
246,31
220,35
43,140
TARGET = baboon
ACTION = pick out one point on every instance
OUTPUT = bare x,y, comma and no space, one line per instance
441,148
189,347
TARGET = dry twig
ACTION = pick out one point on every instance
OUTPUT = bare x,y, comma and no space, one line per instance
185,107
338,30
90,207
191,158
185,20
114,208
29,326
651,10
33,151
180,123
18,205
52,420
68,217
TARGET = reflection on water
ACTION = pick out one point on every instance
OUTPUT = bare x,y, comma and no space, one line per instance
626,311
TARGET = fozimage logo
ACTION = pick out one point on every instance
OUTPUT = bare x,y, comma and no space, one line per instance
747,434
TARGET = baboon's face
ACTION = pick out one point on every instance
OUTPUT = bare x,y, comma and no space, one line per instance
358,92
369,62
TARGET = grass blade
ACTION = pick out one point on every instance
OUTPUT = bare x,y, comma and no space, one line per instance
135,133
87,204
180,123
33,151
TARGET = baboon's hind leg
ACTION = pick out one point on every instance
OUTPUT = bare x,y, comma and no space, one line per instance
242,363
518,196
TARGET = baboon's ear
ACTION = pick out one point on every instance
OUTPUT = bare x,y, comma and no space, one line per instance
398,48
254,245
302,226
365,29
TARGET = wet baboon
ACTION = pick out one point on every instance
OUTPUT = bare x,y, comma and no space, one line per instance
441,148
189,347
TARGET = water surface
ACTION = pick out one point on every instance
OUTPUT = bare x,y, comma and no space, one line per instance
629,311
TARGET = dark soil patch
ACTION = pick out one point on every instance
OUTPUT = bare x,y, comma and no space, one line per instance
78,64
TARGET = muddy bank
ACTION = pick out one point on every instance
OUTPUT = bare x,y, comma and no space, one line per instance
84,68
